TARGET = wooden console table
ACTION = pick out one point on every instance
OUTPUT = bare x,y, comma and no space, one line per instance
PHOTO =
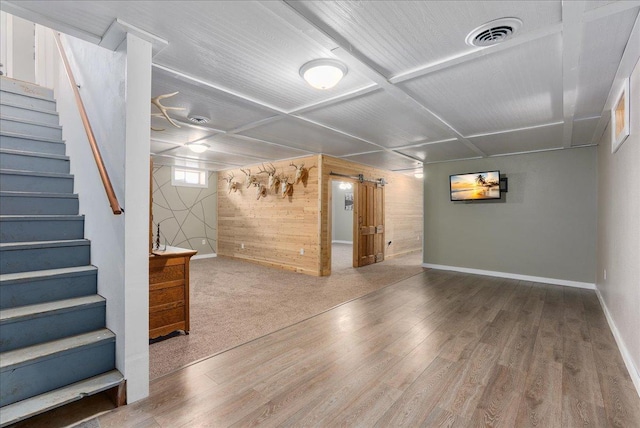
169,291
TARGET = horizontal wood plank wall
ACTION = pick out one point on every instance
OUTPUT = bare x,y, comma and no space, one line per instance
272,229
403,208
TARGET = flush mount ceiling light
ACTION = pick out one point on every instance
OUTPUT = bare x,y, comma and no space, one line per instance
197,147
198,119
419,174
323,73
494,32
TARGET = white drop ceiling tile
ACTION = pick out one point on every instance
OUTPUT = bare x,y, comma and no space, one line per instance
596,4
224,111
307,136
189,163
603,42
438,152
380,118
541,138
92,17
214,156
583,131
247,147
510,89
399,36
171,134
384,160
160,146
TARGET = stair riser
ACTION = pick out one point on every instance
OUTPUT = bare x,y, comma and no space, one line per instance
43,376
41,230
28,102
31,145
47,290
24,260
55,326
30,129
28,114
22,88
29,183
26,205
33,163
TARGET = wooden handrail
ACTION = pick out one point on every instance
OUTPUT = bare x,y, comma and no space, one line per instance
111,195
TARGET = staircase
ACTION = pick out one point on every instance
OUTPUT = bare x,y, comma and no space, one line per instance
54,346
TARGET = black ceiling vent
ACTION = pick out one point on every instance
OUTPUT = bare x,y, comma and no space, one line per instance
494,32
199,120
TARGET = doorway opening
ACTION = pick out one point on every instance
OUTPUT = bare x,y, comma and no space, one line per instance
342,199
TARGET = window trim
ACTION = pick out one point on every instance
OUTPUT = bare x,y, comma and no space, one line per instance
183,183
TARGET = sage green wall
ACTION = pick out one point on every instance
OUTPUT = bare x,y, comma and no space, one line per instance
342,220
545,226
619,232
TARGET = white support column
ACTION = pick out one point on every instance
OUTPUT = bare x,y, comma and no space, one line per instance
136,205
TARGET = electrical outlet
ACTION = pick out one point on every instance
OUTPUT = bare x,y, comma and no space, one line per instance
605,274
302,251
204,242
242,246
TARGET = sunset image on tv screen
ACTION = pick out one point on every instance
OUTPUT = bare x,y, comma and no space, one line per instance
475,186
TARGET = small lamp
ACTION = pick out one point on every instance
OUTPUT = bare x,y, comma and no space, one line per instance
198,147
323,73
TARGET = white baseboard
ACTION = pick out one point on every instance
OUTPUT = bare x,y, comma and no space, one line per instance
204,256
626,355
342,242
541,279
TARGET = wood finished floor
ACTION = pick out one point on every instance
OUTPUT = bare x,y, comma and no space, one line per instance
437,349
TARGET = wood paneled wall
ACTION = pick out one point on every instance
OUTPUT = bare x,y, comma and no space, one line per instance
403,208
272,229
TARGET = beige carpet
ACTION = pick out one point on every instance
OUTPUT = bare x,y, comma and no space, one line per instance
233,302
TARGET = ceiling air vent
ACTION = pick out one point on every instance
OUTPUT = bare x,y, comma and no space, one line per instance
200,120
494,32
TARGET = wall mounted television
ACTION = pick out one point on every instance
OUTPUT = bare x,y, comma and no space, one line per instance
475,186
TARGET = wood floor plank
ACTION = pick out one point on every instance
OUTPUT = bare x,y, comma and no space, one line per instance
621,402
518,349
593,311
551,327
575,322
366,409
352,394
541,402
516,301
578,413
531,310
465,391
498,406
579,374
442,418
608,359
405,372
500,329
222,411
416,403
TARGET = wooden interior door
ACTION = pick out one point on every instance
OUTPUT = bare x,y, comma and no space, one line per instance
369,230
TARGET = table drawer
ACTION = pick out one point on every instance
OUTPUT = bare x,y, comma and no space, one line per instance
167,316
166,295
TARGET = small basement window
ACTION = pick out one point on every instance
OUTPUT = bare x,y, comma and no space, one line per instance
186,177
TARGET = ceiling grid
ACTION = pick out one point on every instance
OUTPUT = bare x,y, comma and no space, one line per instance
414,92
